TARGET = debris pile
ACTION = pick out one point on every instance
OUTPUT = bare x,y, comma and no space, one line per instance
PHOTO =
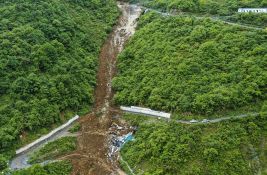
118,136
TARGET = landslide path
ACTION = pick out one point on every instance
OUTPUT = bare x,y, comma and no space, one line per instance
91,156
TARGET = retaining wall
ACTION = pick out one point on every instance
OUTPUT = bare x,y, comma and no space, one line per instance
145,111
46,137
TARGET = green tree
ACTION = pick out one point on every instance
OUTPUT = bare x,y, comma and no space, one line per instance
3,162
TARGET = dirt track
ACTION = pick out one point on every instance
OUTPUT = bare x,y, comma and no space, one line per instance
91,157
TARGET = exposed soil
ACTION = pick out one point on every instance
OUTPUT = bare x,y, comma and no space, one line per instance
91,157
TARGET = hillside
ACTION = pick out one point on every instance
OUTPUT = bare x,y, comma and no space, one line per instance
59,58
223,10
184,64
221,7
227,148
48,61
190,65
259,20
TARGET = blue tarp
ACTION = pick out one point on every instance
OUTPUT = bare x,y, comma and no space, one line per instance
125,139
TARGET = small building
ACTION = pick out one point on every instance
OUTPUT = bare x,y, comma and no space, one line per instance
252,10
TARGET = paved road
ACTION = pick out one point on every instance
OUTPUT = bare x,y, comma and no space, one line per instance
21,160
214,18
204,121
217,120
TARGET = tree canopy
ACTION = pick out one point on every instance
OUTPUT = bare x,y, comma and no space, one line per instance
186,64
48,60
222,7
233,147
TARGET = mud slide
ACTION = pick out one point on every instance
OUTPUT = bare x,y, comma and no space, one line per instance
92,158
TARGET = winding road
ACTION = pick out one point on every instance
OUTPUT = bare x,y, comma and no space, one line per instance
94,128
214,18
217,120
204,121
20,161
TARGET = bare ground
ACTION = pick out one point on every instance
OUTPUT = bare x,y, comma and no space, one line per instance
93,142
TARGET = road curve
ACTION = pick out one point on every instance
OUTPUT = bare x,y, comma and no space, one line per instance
21,160
214,18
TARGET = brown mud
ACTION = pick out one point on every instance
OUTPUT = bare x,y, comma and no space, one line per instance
91,157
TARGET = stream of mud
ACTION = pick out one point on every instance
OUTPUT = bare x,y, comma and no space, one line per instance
92,156
95,154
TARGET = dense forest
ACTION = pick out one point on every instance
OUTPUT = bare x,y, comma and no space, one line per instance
196,65
252,19
48,61
180,64
225,10
186,64
222,7
228,148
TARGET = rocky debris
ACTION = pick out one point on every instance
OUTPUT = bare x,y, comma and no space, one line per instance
98,143
118,136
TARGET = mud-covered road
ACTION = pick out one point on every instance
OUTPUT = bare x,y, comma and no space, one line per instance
91,157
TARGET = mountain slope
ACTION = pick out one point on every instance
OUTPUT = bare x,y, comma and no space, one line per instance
222,7
188,65
183,64
226,148
48,60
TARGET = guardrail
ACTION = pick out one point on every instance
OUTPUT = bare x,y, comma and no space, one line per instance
145,111
46,137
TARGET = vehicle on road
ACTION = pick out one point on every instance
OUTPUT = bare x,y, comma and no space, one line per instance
205,121
193,121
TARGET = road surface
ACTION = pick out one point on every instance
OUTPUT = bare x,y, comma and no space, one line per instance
217,120
20,161
214,18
